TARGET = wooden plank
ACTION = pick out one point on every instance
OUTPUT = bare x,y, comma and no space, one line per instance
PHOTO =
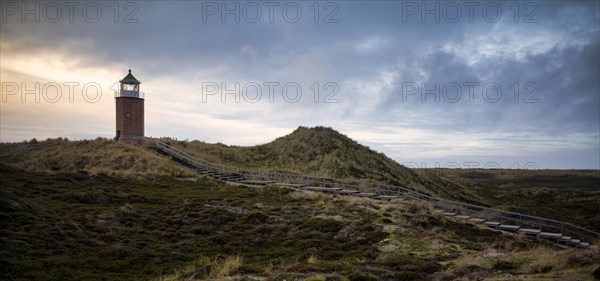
464,217
319,188
550,235
384,197
449,214
294,185
255,182
364,194
491,223
235,179
477,220
509,227
347,192
529,231
583,245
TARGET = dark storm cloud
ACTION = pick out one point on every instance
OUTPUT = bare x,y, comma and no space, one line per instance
565,99
175,37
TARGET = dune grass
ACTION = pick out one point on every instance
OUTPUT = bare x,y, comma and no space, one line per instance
99,156
322,151
205,268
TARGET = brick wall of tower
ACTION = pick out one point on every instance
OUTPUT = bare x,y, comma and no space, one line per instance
130,120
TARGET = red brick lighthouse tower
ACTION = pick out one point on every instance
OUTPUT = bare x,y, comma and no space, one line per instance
130,111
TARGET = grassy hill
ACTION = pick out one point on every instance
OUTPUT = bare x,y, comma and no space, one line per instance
316,151
568,196
99,156
320,151
325,152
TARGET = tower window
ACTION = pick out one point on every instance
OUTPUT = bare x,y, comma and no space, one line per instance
128,115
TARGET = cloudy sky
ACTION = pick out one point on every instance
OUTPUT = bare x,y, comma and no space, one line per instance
490,84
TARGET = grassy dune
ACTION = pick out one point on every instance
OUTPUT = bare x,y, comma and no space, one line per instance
323,152
571,196
99,156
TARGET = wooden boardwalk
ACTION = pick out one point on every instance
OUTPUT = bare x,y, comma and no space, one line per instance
557,231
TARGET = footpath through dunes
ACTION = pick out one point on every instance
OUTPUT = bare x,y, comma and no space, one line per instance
324,152
141,215
568,195
558,231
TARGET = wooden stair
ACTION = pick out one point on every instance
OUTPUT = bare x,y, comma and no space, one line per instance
216,171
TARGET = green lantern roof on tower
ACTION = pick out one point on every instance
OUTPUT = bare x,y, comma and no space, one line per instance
130,79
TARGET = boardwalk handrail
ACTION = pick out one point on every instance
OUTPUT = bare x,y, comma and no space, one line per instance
520,219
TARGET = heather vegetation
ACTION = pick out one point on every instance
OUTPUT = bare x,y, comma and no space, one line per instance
100,210
100,227
568,195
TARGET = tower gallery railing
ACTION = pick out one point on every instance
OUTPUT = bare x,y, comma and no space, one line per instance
129,94
519,219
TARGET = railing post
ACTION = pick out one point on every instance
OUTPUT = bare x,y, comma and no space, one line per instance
561,228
